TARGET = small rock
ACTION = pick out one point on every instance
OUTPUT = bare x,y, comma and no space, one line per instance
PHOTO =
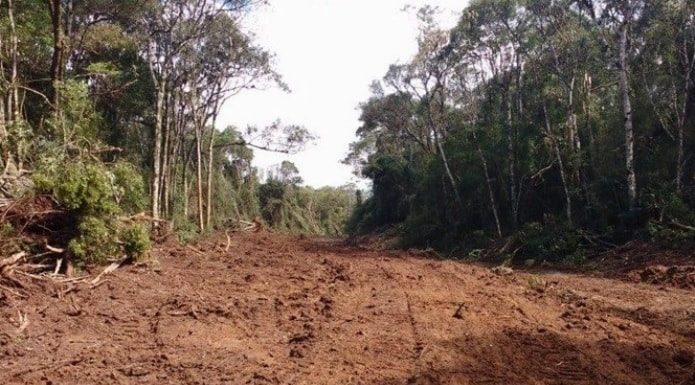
502,270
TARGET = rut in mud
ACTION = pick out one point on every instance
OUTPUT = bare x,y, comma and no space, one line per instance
283,310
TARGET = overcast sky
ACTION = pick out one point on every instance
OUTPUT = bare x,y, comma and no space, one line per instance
328,52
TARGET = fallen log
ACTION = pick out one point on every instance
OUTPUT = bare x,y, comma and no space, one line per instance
12,260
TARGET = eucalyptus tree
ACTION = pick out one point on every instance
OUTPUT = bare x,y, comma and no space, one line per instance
494,33
666,68
617,19
424,82
235,64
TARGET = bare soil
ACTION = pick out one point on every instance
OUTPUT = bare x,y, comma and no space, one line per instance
283,310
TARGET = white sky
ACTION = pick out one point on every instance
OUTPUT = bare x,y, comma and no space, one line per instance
328,52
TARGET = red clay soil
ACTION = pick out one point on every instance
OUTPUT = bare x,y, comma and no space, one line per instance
283,310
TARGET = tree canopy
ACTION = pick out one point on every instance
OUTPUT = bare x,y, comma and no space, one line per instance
535,116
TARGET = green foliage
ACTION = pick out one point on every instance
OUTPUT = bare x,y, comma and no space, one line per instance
288,207
511,124
88,188
95,243
136,241
551,242
95,194
79,119
186,231
669,225
129,187
103,68
669,235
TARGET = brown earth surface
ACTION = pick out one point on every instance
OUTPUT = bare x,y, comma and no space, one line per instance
283,310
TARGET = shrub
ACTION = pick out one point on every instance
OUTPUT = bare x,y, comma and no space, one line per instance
86,188
136,241
551,242
95,194
186,231
671,220
95,243
129,188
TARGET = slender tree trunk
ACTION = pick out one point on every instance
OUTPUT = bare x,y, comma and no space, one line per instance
680,161
56,11
624,86
164,173
179,150
184,181
3,116
211,158
157,152
449,174
3,128
208,209
586,105
488,181
575,140
682,115
561,165
511,160
199,177
14,105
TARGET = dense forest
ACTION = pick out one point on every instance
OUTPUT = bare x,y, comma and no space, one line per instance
110,109
562,123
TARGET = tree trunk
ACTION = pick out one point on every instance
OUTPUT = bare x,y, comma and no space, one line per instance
57,71
157,153
211,160
3,129
208,209
488,181
14,105
449,174
511,160
3,117
199,177
624,86
586,105
166,153
561,165
184,181
682,116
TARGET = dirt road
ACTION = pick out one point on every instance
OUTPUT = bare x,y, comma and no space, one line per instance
281,310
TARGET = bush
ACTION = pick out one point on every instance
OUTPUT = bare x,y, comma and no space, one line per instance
95,194
136,241
129,188
186,231
551,243
96,242
86,188
671,220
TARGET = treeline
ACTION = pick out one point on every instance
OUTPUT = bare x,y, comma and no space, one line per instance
110,107
565,123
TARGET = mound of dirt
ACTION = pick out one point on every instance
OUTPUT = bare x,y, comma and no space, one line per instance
678,276
640,262
270,309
